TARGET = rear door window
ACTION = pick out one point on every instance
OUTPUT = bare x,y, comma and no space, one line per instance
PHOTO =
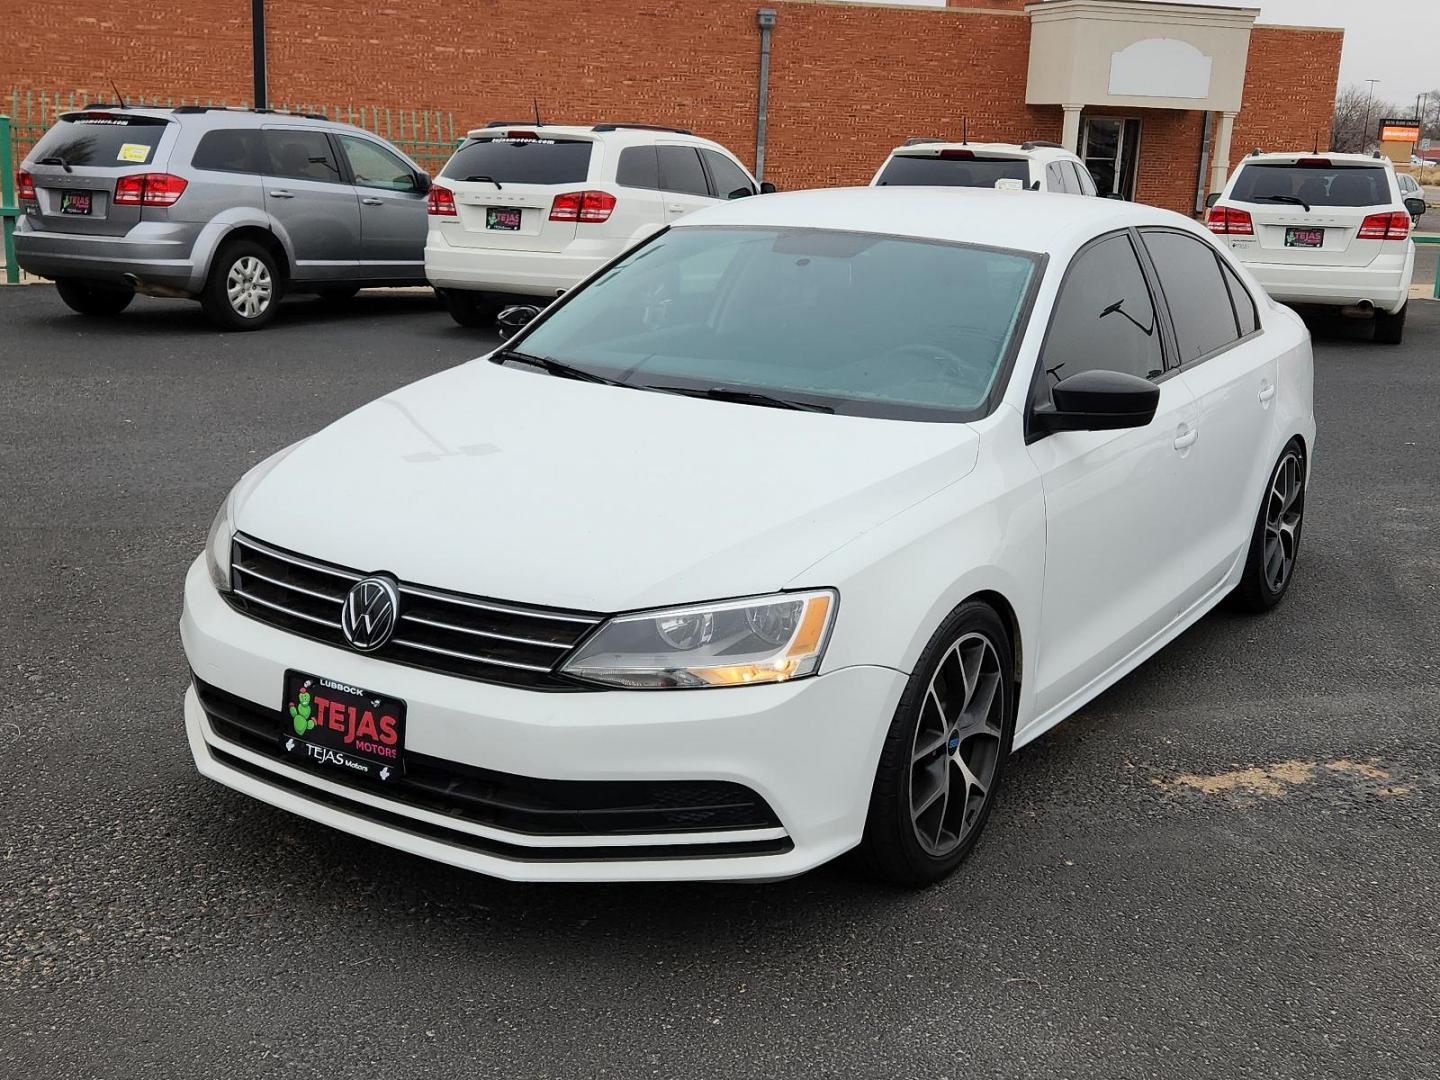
239,150
1313,185
729,178
1199,299
301,155
638,168
102,140
521,161
681,171
908,170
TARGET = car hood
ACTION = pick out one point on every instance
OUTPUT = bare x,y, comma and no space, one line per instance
511,484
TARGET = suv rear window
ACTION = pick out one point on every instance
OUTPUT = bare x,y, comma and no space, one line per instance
1314,185
102,140
908,170
521,161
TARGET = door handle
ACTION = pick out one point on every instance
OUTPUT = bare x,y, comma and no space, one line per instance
1185,437
372,202
281,193
1267,391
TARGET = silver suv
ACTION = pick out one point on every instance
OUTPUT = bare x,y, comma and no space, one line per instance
227,206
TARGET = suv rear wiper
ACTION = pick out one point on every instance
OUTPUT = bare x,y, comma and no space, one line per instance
743,397
1291,199
555,367
484,179
55,159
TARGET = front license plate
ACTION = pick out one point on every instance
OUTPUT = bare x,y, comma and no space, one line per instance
75,202
503,218
343,727
1305,238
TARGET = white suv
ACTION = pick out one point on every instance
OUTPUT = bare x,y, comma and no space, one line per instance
1034,166
523,212
1325,229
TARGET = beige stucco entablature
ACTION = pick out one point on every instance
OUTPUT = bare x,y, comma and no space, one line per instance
1135,54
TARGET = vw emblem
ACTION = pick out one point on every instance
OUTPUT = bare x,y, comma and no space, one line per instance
368,617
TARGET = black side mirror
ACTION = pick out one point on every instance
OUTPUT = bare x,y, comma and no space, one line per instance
515,317
422,183
1416,206
1212,199
1099,401
740,193
1115,195
767,188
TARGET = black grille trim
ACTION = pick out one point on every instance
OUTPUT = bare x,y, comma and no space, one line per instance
473,637
518,804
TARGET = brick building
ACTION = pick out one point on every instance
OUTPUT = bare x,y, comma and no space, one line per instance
1147,92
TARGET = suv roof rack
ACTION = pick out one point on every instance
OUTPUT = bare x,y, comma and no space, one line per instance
1036,144
98,105
640,127
920,140
191,110
513,123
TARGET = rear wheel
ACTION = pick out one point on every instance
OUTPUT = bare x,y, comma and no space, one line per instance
1275,543
473,309
91,298
1390,329
243,291
945,753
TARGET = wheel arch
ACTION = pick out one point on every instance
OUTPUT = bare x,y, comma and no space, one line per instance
265,238
1006,611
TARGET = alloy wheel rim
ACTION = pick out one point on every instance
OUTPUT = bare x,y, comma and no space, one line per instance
249,287
1284,507
956,750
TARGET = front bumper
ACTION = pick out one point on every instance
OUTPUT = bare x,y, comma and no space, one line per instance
808,748
156,252
1385,282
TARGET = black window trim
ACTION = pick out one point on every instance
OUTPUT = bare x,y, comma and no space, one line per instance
1168,349
1189,365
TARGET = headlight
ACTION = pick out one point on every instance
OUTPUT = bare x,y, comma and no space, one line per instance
764,639
217,546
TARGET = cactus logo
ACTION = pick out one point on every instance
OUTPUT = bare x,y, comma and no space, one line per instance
302,710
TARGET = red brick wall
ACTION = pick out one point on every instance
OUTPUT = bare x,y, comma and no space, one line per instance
848,82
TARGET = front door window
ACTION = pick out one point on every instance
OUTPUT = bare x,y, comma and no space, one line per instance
1109,147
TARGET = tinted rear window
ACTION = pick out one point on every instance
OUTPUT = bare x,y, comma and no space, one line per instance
1345,185
103,140
909,171
522,161
231,150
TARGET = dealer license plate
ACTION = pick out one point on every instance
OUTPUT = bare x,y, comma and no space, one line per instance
76,202
504,218
341,727
1305,238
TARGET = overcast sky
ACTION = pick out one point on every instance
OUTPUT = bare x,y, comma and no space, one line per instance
1394,41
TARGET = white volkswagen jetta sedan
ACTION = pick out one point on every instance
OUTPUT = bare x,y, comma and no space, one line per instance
771,540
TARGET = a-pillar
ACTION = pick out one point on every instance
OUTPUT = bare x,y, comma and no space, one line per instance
1070,130
1220,163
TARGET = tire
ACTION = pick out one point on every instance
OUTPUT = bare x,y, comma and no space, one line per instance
473,309
921,761
1277,529
250,269
90,298
1390,329
339,296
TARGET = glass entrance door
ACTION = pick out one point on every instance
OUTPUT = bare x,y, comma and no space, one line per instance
1110,147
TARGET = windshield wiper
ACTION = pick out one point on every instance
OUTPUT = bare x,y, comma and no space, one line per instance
743,397
55,159
1291,199
484,179
555,367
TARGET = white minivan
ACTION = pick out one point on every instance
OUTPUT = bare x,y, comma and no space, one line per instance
1324,229
521,213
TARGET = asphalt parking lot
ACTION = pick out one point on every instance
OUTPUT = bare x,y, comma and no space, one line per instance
1225,867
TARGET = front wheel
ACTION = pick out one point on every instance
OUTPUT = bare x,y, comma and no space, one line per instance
89,298
243,291
1275,543
944,756
1390,329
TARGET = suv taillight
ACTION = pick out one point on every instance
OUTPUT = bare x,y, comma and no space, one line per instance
1228,221
441,202
582,206
1395,226
149,189
24,185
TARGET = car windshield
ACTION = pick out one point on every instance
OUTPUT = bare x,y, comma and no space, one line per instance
857,323
912,170
1313,185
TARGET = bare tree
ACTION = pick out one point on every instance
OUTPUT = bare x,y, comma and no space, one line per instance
1357,119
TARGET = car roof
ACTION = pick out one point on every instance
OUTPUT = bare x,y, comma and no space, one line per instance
216,114
1039,151
1021,220
1289,157
622,133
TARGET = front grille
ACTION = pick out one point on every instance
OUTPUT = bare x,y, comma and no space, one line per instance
516,803
473,637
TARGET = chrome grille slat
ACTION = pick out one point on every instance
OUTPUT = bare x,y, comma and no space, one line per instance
472,637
